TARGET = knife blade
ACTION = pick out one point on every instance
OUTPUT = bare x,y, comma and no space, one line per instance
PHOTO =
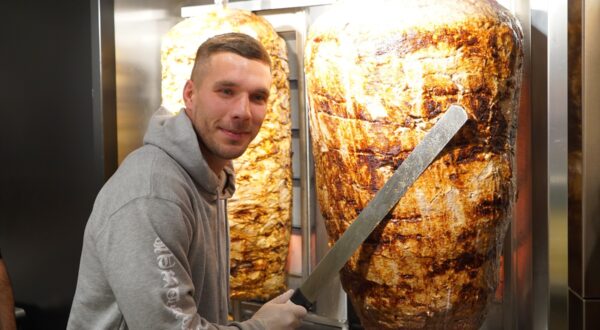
384,200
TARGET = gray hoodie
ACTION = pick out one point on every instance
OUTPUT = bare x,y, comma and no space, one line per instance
156,246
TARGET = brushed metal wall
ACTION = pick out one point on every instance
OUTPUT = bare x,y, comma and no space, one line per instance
557,163
139,27
583,160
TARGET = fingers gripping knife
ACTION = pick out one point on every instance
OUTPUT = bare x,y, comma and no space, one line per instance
385,199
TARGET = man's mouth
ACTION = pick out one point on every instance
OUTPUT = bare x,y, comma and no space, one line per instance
234,134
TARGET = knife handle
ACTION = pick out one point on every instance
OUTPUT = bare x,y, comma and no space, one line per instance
298,298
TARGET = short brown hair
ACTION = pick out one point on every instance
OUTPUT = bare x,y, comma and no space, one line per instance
237,43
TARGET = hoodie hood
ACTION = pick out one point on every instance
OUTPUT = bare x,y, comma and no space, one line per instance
175,135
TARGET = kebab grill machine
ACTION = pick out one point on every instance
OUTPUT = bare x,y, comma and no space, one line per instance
481,238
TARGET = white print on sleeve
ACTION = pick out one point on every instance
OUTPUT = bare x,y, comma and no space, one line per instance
165,261
168,276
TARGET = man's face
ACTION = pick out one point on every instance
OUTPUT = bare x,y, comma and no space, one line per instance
227,106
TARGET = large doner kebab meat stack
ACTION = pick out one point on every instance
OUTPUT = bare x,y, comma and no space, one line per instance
260,210
378,78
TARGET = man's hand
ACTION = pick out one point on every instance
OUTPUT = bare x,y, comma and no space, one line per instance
280,313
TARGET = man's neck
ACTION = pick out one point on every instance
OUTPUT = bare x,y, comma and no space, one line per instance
215,164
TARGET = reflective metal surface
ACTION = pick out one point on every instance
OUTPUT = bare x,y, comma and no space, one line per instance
584,157
139,27
103,87
583,313
591,151
557,163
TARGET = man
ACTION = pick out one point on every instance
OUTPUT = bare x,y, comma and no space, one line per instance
7,301
156,247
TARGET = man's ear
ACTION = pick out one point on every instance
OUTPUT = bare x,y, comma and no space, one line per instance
188,93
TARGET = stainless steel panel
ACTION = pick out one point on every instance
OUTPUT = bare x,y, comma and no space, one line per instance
557,163
591,151
139,27
257,5
584,314
103,87
591,310
575,311
584,155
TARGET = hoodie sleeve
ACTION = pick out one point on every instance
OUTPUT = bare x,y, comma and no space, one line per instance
143,249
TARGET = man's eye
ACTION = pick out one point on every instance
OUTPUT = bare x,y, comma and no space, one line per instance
259,98
227,91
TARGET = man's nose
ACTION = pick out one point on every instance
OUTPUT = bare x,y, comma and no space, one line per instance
241,108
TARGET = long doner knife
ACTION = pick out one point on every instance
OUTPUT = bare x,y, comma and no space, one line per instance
386,198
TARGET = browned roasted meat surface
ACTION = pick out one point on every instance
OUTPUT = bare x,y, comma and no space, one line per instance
260,210
378,79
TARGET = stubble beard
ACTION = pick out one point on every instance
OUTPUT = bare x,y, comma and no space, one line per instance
222,150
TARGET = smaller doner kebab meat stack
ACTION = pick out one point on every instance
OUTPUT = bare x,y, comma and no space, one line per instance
260,210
